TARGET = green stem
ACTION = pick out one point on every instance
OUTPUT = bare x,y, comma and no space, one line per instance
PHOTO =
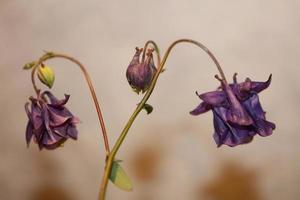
111,156
51,55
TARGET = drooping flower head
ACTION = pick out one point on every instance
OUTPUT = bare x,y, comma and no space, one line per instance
237,112
50,123
140,72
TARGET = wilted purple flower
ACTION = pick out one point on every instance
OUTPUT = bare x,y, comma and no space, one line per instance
50,122
238,115
140,73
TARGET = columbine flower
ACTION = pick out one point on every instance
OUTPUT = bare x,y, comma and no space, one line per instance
238,115
50,123
140,73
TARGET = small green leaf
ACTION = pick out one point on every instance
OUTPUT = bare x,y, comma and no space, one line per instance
29,65
119,177
46,75
148,108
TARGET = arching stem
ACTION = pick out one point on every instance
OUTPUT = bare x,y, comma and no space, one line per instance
140,106
51,55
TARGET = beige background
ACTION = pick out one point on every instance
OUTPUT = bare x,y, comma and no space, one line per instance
169,154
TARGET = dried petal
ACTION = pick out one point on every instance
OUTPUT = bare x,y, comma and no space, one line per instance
50,123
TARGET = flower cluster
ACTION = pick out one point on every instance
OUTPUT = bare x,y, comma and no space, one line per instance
237,112
140,72
50,123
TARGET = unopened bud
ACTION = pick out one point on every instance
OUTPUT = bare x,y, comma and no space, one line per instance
140,73
46,75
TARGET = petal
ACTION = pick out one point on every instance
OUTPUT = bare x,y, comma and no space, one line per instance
52,142
35,115
237,114
54,101
136,57
38,133
229,134
46,120
260,86
72,132
253,106
62,111
246,85
202,108
29,133
58,117
215,98
62,130
264,128
27,110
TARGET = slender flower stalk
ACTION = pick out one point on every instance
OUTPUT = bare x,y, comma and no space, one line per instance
238,114
51,55
111,156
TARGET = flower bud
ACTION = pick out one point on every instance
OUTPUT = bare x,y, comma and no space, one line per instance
29,65
140,73
46,75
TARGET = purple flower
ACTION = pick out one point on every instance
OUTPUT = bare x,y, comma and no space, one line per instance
237,113
50,122
140,73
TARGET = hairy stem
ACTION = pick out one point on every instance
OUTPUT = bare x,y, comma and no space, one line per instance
51,55
140,106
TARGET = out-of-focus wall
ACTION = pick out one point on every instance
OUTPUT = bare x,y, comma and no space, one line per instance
168,154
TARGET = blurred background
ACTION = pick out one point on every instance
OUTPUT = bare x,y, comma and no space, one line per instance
168,154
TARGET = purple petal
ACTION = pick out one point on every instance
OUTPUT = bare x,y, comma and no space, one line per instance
260,86
62,130
46,119
35,114
136,57
246,85
27,110
237,113
215,98
56,119
29,132
253,106
202,108
72,132
228,134
54,101
264,128
53,141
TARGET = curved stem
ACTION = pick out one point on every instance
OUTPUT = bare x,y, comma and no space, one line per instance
140,106
51,55
156,49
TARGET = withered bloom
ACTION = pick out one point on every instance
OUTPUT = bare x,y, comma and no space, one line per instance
237,112
50,122
140,73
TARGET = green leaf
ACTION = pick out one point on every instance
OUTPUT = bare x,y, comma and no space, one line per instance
148,108
46,75
29,65
119,177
